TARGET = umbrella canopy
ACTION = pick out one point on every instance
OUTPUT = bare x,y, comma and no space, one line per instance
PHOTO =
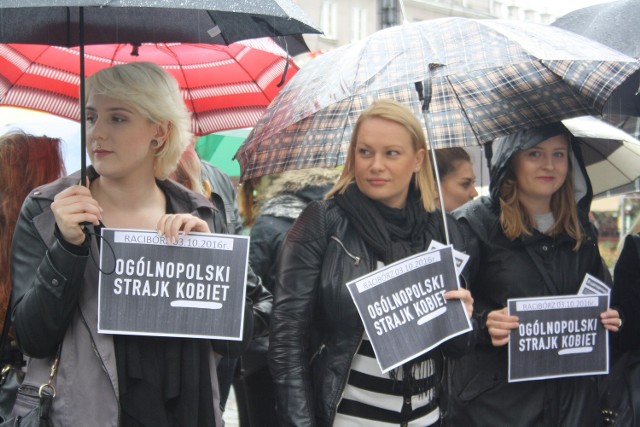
223,86
220,148
481,79
82,22
56,22
614,24
611,155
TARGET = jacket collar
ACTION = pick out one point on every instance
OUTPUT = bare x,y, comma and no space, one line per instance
182,199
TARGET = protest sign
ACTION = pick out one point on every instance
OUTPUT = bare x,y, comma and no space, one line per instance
591,285
193,288
459,258
403,308
558,336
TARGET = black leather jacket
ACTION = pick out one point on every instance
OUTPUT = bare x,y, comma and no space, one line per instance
39,246
55,299
315,327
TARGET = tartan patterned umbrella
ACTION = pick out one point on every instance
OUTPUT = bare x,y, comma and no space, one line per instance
483,78
225,87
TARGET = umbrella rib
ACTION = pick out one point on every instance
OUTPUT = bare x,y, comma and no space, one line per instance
593,146
234,57
184,76
464,111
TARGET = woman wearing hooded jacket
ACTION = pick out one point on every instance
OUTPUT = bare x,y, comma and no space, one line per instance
137,127
532,238
380,211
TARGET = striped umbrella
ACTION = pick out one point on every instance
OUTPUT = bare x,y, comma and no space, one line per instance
225,87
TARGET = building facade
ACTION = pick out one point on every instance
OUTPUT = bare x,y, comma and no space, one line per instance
345,21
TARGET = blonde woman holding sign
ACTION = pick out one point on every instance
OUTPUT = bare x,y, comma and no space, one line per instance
137,127
381,210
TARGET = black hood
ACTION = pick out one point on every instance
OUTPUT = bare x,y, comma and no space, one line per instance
503,149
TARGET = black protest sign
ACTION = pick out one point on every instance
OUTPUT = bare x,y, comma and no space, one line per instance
403,308
193,288
558,337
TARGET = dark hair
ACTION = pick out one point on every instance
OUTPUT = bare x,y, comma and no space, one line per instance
447,158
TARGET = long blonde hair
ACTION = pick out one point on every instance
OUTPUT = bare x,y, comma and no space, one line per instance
393,111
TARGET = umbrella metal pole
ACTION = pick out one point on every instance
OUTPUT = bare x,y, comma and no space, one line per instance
83,118
434,162
426,100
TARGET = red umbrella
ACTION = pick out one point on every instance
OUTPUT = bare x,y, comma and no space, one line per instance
225,87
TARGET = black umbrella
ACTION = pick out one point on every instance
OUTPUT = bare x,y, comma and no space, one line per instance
80,22
57,22
615,25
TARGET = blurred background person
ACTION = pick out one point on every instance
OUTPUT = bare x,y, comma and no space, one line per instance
27,162
278,205
626,290
204,178
457,179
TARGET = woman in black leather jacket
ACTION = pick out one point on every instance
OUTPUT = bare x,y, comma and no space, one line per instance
137,127
380,210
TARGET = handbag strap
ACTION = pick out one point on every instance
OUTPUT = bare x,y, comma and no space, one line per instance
48,387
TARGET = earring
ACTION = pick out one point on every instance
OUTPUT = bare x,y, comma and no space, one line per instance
155,143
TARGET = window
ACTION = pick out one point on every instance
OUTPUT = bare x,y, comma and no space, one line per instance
329,19
358,23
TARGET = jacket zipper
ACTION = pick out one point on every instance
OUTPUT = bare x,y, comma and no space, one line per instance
355,258
317,353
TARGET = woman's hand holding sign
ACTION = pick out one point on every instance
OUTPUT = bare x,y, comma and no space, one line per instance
611,320
499,326
463,295
170,225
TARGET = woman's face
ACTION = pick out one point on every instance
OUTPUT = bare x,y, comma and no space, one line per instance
540,171
118,137
385,161
458,186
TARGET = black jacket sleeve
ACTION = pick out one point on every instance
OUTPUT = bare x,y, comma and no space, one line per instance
299,270
46,285
625,295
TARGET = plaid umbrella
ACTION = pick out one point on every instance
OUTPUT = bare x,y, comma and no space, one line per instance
225,87
482,79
